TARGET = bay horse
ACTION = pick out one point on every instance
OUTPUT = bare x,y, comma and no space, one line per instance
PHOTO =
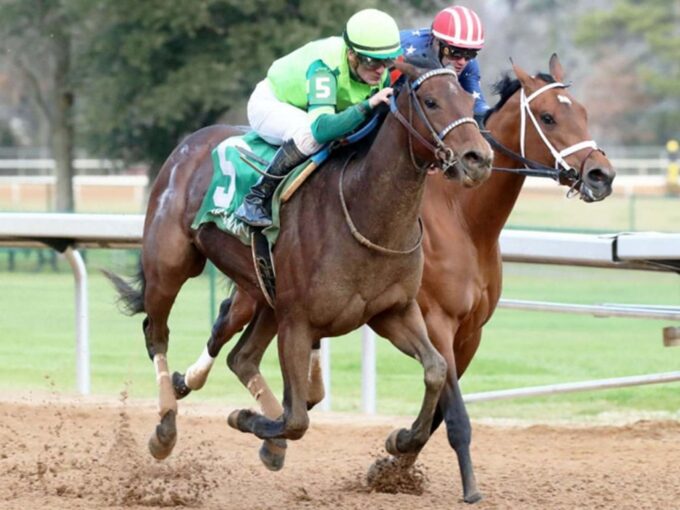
462,275
349,253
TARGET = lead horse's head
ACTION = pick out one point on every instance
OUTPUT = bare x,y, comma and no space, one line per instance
554,126
437,114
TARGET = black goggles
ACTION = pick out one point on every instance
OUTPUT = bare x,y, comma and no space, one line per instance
374,63
453,53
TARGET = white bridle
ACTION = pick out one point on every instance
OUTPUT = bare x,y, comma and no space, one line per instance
526,110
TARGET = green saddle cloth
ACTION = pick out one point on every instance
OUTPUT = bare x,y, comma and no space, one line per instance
231,182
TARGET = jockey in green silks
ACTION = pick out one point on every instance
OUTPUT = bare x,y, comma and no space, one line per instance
316,94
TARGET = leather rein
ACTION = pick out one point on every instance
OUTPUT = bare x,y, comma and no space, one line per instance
444,155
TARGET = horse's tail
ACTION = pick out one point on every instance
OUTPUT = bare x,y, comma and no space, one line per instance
130,293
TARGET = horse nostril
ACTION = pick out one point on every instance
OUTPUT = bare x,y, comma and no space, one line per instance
475,158
598,177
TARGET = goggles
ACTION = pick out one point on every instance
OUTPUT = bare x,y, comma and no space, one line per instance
374,63
453,53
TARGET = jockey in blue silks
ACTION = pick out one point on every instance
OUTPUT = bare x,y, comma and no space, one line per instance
455,38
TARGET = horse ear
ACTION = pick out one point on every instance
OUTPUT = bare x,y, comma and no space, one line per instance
522,76
408,69
556,68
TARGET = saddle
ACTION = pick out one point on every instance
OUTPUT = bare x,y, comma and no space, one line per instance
238,163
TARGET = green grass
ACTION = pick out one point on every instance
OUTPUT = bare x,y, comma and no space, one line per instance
37,336
617,213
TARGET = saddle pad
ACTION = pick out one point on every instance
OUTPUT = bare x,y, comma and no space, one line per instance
232,179
231,182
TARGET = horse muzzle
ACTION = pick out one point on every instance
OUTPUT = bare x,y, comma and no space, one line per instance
596,184
472,168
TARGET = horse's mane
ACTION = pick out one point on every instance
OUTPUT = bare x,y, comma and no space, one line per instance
507,86
426,62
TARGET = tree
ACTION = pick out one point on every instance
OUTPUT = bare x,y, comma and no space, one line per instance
160,70
37,38
647,34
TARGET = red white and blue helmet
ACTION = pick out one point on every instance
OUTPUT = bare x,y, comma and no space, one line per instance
460,27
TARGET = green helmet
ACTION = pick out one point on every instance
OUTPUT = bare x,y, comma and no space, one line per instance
373,33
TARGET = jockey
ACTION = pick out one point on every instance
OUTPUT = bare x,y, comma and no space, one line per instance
455,38
317,94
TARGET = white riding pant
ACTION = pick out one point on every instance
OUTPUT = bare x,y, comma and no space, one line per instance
277,122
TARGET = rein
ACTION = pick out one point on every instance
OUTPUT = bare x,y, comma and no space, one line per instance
361,239
444,154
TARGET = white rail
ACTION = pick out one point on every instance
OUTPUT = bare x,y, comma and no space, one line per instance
68,232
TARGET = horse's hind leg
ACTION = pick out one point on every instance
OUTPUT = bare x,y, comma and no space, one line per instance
164,277
406,330
235,312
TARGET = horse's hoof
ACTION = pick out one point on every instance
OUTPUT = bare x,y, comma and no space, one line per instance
180,386
473,498
163,439
392,441
232,419
273,453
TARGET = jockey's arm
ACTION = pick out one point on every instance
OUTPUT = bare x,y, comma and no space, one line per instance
470,80
327,125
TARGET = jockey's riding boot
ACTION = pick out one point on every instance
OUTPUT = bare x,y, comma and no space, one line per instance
255,210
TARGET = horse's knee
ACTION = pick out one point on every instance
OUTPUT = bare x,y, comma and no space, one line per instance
459,436
458,429
435,373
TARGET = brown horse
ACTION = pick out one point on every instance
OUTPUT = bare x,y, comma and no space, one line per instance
462,277
462,274
331,278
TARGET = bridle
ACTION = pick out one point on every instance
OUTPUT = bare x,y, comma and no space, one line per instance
561,170
445,155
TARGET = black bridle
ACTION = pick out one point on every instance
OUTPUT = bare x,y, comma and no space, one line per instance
445,155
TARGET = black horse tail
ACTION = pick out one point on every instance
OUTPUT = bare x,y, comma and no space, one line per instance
130,293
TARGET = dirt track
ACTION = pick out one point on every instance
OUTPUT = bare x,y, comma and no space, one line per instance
93,455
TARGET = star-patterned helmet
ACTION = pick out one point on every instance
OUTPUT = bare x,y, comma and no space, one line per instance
460,27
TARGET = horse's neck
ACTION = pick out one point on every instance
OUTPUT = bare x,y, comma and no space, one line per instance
487,208
384,190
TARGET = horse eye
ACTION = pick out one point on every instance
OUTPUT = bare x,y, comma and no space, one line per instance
430,103
547,119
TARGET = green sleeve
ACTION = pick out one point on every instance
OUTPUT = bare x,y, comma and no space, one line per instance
322,86
331,126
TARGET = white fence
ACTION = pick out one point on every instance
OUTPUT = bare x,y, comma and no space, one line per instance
650,251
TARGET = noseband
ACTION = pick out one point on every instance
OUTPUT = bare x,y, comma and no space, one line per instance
445,155
561,169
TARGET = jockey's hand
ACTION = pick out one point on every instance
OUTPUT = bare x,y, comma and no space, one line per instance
382,96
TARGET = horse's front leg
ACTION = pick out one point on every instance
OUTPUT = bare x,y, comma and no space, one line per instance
405,328
316,391
244,360
235,312
294,344
452,406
